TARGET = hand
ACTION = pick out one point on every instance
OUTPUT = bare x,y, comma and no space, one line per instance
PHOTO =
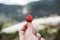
28,33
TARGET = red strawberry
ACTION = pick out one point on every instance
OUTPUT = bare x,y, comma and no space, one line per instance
29,18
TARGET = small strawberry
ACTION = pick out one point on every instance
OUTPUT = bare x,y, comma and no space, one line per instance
29,18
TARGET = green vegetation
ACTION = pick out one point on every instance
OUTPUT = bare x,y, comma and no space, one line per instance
45,33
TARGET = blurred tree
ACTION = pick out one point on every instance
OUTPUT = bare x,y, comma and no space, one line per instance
57,37
1,26
44,8
44,32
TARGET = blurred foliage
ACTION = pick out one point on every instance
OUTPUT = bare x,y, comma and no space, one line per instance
46,33
37,8
57,37
10,36
44,8
11,14
7,36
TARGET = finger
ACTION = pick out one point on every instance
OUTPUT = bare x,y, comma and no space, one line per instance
42,39
29,29
38,36
21,35
22,32
30,26
34,31
24,27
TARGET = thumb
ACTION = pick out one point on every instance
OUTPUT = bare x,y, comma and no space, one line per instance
31,28
29,25
21,35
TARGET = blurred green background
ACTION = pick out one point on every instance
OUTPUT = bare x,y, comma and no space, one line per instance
13,14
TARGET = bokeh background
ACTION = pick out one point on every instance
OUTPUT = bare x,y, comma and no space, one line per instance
15,11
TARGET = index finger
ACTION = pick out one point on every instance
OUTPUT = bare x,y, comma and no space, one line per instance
24,28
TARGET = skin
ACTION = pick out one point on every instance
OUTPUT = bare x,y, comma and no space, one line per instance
28,33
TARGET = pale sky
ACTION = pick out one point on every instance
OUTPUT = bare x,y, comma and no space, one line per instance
18,2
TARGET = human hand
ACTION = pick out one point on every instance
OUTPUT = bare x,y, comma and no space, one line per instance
28,33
